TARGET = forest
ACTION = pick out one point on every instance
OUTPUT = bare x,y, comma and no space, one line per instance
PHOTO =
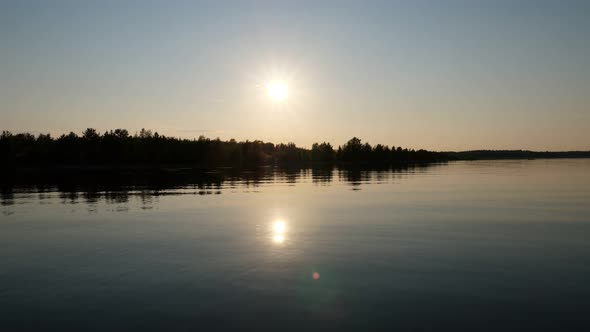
119,147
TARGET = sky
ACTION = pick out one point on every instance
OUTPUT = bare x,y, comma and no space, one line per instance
439,75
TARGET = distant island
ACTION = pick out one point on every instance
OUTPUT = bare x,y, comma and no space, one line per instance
515,154
147,148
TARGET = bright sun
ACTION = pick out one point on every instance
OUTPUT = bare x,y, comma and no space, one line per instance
277,91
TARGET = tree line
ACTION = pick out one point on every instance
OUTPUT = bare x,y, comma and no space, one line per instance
147,147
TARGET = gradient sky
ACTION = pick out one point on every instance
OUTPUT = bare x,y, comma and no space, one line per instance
441,75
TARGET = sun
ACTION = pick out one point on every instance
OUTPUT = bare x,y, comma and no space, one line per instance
277,91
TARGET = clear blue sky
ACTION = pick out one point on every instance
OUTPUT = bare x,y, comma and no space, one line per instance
443,75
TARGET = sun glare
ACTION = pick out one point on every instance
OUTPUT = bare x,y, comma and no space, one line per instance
277,91
279,229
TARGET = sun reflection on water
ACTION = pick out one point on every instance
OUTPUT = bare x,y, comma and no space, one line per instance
278,238
279,229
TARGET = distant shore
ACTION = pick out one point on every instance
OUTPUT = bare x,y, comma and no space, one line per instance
515,154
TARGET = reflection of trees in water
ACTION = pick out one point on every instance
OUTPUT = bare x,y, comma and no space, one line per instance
116,197
118,188
6,197
91,197
357,175
322,175
147,199
288,175
69,196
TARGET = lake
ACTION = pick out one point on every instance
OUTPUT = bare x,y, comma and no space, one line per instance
469,245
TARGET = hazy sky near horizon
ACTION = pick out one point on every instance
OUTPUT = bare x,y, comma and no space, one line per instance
442,75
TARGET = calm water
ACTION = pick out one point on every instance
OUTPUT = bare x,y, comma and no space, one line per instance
486,245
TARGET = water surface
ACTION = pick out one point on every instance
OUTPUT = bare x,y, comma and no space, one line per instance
484,245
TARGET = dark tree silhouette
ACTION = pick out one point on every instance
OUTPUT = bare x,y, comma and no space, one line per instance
118,147
322,152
